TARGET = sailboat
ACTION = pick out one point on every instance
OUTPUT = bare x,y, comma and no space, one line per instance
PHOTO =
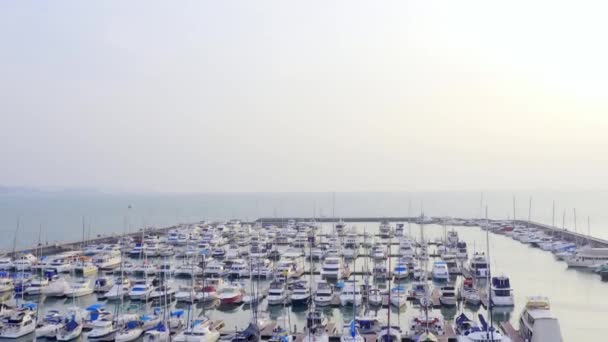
315,319
392,333
350,332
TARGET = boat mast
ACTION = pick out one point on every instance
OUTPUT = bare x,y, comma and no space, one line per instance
390,276
490,332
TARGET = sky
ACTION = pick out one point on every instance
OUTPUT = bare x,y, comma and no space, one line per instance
214,96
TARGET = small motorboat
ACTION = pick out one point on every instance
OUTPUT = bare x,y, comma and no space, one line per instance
50,324
19,323
130,332
103,330
230,294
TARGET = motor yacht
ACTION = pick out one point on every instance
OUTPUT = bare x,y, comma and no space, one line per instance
300,294
537,323
351,294
468,293
588,258
332,268
324,293
401,270
277,293
501,291
440,271
107,261
103,330
478,265
188,270
447,295
19,323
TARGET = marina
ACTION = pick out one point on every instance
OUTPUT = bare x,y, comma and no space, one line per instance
223,272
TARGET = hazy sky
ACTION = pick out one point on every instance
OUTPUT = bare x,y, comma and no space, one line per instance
306,96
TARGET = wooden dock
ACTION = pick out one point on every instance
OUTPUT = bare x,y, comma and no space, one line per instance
513,334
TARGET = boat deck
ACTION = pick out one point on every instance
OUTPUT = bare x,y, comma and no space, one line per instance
450,335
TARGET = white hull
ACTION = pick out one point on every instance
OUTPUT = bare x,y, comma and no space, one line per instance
71,335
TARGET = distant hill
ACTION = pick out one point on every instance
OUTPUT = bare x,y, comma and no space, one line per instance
23,190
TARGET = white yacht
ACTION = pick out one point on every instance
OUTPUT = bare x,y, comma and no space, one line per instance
385,230
85,268
324,294
18,324
277,293
188,295
461,250
6,264
56,287
588,258
501,292
351,294
379,252
36,286
537,323
49,325
239,268
300,294
401,271
107,261
291,267
60,265
419,290
103,330
72,325
478,266
188,270
214,268
200,332
79,288
468,293
440,271
141,290
103,284
332,268
469,331
380,271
